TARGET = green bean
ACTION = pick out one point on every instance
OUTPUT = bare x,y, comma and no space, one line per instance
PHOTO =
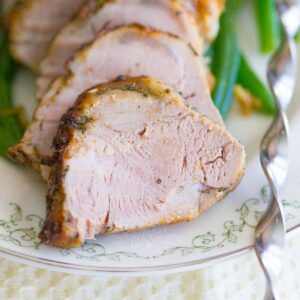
297,37
268,25
6,78
6,141
10,127
226,59
248,79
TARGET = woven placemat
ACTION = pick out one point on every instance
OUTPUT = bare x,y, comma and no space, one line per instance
238,279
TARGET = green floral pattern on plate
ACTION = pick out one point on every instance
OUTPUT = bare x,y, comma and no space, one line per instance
21,236
21,230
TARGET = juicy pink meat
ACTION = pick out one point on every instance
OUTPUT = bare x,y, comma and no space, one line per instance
127,51
34,23
131,155
165,15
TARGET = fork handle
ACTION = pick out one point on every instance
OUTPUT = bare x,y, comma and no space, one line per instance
271,294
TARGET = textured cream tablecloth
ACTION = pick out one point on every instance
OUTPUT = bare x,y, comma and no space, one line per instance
238,279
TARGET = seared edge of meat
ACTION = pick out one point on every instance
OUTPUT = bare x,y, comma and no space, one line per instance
61,228
208,12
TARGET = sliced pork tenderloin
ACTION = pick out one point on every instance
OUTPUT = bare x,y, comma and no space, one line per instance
130,155
34,23
127,51
165,15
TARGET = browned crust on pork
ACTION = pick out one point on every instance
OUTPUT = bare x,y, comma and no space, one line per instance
209,12
19,155
60,228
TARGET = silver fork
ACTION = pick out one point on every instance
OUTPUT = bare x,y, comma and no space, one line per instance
274,151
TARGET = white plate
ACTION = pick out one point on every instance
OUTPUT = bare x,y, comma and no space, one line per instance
222,232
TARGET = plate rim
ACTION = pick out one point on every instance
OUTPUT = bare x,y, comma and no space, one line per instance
128,271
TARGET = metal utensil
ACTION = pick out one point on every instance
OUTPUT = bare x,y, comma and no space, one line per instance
274,151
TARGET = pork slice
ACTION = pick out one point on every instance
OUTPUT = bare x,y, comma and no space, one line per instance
165,15
34,23
129,155
127,51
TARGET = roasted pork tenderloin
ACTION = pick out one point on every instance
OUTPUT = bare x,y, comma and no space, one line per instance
126,51
129,155
165,15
